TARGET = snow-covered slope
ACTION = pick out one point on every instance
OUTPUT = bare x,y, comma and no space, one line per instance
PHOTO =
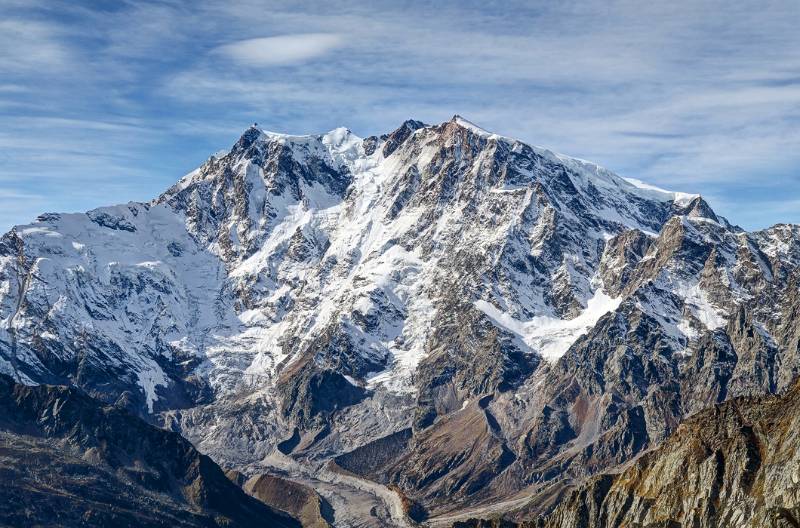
298,284
286,237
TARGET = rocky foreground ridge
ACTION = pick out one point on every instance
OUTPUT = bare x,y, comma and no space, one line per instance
735,464
68,461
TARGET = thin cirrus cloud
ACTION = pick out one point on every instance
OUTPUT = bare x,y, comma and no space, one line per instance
280,50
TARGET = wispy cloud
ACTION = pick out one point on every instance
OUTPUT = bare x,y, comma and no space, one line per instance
283,49
29,46
702,96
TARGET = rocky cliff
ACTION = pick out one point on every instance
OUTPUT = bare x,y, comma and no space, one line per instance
733,465
69,461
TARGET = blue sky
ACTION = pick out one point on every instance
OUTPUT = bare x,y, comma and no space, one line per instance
105,102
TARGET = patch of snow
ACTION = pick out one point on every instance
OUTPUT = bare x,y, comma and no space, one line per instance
550,336
680,198
36,230
150,377
475,129
697,300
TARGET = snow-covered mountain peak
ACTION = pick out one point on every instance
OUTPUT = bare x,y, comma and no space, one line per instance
335,138
350,248
339,147
680,198
585,172
464,123
345,150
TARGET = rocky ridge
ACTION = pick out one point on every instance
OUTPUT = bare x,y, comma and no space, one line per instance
735,464
69,461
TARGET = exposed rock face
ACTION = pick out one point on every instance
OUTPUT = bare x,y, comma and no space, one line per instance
734,465
327,297
68,461
453,459
301,502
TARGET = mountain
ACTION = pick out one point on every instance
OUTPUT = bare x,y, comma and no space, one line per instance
68,461
435,320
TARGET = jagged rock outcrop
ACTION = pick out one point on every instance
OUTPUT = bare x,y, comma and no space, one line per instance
733,465
69,461
302,502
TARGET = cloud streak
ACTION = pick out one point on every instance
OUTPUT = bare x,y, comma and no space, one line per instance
701,96
280,50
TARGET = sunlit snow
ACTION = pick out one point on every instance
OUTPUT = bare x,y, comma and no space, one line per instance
549,336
